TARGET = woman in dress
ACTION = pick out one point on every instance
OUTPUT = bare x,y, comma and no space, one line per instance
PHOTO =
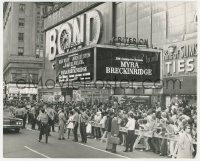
70,125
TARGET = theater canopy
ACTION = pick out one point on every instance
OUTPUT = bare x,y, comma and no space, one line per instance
110,64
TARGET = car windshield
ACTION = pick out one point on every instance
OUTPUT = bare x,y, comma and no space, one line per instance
7,113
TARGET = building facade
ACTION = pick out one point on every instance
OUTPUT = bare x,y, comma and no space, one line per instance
23,48
167,26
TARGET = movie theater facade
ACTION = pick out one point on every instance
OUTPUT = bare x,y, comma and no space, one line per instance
143,50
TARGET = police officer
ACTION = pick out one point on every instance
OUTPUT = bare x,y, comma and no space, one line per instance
33,117
20,113
83,120
62,121
44,125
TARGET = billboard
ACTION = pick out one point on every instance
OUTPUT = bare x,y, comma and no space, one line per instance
75,66
180,60
127,65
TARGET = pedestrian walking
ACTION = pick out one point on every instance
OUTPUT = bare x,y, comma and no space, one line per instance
33,117
62,121
75,121
130,139
21,113
51,114
83,123
70,124
108,130
115,132
43,118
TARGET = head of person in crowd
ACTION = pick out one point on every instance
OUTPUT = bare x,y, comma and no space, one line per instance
45,106
153,118
43,110
131,115
187,128
71,113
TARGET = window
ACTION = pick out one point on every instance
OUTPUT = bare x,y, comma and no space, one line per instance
22,7
21,36
41,39
20,51
21,22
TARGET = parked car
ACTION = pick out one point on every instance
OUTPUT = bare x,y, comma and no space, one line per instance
10,121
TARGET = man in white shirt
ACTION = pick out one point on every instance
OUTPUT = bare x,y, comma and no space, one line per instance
130,138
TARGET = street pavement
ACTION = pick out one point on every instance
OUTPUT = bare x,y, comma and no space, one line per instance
25,145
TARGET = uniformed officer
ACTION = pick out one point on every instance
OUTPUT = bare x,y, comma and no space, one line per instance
20,113
24,116
44,125
33,117
62,121
83,123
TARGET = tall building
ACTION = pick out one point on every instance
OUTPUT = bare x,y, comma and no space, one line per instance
23,48
75,29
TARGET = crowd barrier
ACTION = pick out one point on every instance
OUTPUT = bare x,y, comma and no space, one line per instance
144,133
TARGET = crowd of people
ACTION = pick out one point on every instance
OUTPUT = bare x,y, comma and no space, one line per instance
176,119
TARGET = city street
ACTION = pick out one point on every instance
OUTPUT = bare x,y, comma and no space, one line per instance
26,145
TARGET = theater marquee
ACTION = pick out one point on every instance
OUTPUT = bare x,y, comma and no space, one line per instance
110,64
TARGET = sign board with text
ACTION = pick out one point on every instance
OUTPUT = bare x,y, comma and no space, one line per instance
115,64
75,66
180,60
110,64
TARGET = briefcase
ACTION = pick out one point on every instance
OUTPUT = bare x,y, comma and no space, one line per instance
114,140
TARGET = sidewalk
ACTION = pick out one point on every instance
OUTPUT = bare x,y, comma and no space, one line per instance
101,145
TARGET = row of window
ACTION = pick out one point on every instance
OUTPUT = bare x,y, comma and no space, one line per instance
21,7
39,52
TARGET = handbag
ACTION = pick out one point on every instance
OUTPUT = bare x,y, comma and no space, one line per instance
89,128
114,140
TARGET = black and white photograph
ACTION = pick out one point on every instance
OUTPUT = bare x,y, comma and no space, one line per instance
99,80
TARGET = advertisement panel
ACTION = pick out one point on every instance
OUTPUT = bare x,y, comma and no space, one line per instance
75,66
117,65
180,60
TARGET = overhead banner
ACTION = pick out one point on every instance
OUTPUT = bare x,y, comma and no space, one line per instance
127,65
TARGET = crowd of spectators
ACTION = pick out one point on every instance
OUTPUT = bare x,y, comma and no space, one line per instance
170,120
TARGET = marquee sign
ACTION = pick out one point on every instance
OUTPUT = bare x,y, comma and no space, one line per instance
126,65
109,64
81,31
78,65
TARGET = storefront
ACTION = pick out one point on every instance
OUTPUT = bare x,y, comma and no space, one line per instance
180,72
22,91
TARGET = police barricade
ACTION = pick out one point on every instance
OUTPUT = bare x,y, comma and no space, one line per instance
144,133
